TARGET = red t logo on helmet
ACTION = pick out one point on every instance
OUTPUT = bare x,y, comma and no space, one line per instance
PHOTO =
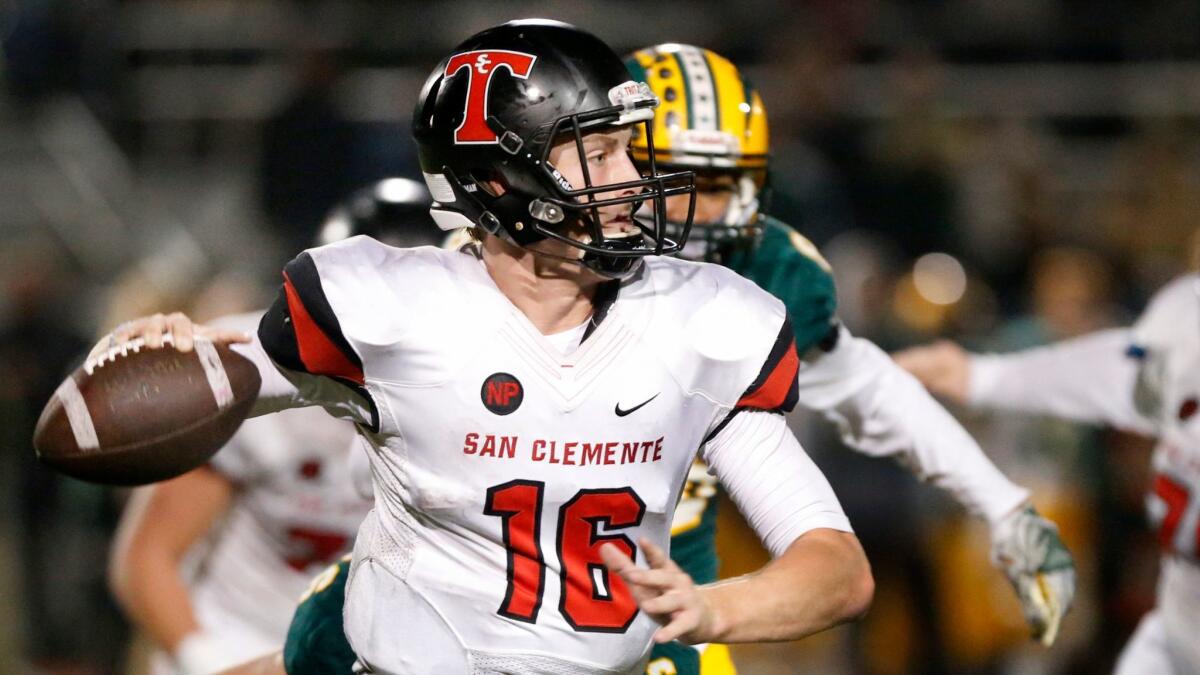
481,66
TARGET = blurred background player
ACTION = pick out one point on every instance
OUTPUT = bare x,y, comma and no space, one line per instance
1143,380
210,565
712,121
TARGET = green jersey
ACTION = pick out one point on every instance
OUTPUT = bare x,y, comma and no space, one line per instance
316,642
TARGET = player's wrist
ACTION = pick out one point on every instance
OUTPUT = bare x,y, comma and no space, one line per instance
982,372
198,653
1003,506
716,624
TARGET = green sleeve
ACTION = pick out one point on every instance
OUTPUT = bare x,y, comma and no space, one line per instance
787,265
316,640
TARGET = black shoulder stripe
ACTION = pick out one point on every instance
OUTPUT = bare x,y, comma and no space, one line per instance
776,387
277,335
302,274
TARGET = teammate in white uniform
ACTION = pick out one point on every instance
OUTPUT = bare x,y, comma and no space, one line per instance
511,478
1143,380
210,565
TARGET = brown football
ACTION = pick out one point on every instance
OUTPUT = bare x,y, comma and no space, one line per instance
135,415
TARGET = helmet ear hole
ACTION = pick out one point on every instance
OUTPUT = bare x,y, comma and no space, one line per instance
491,182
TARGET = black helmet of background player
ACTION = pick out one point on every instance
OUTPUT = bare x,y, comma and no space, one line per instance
394,211
711,121
493,110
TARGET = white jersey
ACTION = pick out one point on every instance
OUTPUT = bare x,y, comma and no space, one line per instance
1146,380
501,464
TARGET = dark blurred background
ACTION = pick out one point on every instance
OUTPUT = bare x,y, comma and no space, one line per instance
1006,173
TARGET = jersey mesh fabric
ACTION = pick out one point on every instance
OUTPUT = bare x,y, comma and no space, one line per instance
483,663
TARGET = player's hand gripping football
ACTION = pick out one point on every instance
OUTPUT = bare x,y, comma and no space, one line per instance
666,593
175,329
943,367
1026,547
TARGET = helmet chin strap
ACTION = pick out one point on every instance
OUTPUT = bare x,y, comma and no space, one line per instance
605,266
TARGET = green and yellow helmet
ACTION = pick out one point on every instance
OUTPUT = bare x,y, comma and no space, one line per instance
709,120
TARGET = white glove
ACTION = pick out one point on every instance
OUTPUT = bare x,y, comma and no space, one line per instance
199,654
1026,547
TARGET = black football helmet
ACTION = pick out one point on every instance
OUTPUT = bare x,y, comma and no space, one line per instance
493,110
394,211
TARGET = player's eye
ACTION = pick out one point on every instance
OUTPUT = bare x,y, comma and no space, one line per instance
598,157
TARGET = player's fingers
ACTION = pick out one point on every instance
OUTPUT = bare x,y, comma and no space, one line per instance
181,329
658,580
655,556
223,336
617,562
151,330
667,603
615,559
680,624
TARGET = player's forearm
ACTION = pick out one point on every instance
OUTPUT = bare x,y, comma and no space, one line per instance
891,414
822,580
1087,379
147,584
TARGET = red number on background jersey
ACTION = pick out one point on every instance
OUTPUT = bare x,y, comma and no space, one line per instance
592,599
519,504
1175,496
481,67
314,547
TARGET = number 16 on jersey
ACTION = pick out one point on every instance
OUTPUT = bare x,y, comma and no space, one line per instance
591,599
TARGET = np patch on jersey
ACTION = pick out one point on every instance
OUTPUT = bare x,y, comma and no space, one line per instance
502,393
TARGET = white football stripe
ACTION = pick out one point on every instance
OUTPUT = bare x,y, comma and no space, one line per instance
77,415
214,370
701,87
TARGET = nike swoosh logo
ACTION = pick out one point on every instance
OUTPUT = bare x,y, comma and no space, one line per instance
622,413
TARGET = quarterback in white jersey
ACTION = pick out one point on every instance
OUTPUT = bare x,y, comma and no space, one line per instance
1143,380
210,565
532,412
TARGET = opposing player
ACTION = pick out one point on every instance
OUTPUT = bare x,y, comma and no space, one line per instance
712,121
516,482
1141,380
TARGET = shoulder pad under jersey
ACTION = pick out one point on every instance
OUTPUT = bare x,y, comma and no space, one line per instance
723,337
1173,308
345,305
787,265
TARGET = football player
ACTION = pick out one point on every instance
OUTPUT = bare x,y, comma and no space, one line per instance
712,121
1141,380
531,412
